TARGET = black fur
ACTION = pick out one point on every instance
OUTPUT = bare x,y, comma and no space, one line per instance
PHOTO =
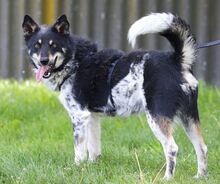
113,82
162,73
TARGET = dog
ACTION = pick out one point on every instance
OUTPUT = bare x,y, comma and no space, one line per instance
93,82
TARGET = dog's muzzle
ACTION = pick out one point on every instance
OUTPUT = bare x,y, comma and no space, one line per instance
48,73
45,70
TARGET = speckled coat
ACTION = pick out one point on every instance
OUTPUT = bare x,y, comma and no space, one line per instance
93,82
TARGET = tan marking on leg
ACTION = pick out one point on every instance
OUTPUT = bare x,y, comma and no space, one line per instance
198,131
165,126
195,135
162,129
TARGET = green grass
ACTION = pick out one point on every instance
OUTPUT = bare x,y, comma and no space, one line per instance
36,142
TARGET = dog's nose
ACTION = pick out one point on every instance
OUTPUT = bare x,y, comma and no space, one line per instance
44,61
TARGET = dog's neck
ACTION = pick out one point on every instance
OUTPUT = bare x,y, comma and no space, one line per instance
57,79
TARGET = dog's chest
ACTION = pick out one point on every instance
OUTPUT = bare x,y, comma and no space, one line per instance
128,94
55,81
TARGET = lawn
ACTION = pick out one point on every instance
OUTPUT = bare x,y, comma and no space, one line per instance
36,142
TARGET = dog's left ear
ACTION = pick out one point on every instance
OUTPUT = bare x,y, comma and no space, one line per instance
29,26
61,25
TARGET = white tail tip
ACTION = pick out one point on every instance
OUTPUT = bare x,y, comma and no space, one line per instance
153,23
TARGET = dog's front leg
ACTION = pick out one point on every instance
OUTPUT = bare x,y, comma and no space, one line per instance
80,118
80,121
94,138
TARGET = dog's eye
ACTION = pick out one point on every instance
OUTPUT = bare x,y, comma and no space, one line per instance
37,45
54,45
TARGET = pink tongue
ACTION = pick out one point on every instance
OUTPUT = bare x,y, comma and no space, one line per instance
40,73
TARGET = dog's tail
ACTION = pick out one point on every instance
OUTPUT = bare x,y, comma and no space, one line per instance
176,30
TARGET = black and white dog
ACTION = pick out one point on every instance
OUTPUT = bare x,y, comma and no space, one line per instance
92,82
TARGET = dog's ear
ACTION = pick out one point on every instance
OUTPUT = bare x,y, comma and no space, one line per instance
61,25
29,26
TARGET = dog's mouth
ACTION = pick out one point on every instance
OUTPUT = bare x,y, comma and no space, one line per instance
45,71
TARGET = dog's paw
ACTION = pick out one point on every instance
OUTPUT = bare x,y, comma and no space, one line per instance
94,158
201,176
167,177
78,161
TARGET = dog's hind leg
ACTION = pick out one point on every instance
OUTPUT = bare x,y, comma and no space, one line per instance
162,129
94,138
192,128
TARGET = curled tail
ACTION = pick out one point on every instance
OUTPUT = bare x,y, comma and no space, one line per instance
176,30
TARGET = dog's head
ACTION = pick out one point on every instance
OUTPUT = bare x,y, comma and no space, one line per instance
49,47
